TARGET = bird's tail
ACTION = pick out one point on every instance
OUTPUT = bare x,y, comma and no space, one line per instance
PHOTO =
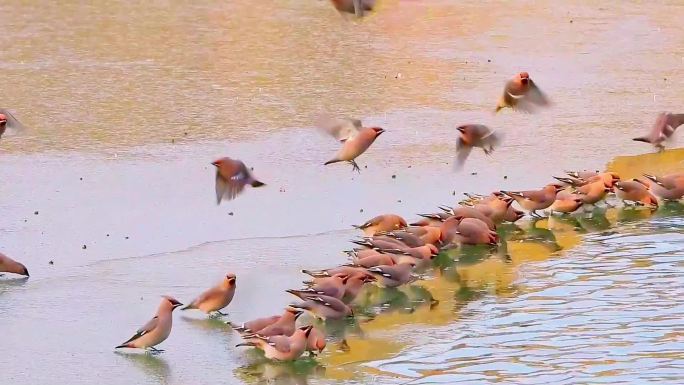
331,161
188,307
642,139
256,183
123,346
315,274
250,344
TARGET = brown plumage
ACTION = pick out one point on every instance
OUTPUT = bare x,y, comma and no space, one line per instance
593,192
281,347
468,231
394,275
9,265
8,121
474,135
355,144
521,93
382,223
635,191
216,298
534,200
668,187
357,7
256,325
231,178
566,202
471,212
664,127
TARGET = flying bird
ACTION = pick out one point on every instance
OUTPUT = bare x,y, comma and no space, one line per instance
521,93
156,330
474,135
665,125
355,139
357,7
8,121
215,298
231,178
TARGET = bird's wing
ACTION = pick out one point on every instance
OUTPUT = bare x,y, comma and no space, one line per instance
232,186
675,120
536,96
12,122
341,129
146,328
462,152
280,343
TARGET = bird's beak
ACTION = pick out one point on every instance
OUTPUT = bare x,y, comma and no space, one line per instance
214,164
298,313
175,305
307,330
380,131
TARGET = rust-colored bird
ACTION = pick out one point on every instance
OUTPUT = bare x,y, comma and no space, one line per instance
468,231
316,341
635,191
357,7
521,93
534,200
355,140
665,125
394,275
231,178
8,121
593,192
382,223
216,298
474,135
469,212
323,306
156,330
668,187
566,202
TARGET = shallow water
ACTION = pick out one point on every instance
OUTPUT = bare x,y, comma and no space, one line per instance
128,104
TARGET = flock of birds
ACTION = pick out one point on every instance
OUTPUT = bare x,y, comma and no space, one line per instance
391,250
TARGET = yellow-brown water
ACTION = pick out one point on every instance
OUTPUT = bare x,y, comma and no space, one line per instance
128,103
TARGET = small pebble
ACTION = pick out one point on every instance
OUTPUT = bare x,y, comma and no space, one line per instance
505,176
366,166
80,178
107,234
570,21
361,210
35,213
185,133
409,166
393,177
126,237
473,173
399,200
173,140
230,213
453,192
84,247
51,263
489,60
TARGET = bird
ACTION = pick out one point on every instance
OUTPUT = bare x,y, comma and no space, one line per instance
468,231
281,347
407,238
344,270
668,187
156,330
470,212
381,223
315,343
394,275
635,191
354,143
256,325
665,125
521,93
323,306
284,325
216,298
374,260
534,200
9,265
474,135
566,202
231,178
328,286
357,7
593,192
429,234
582,174
8,121
353,285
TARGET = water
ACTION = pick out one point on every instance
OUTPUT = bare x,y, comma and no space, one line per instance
129,103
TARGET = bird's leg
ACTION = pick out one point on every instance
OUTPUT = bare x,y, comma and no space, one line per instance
221,313
534,214
155,350
355,167
660,148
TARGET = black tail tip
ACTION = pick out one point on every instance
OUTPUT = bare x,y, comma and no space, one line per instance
645,140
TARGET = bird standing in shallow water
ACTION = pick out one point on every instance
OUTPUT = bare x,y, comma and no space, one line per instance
231,178
156,330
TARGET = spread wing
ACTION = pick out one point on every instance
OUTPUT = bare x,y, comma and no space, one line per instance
12,122
341,129
462,153
231,186
146,328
